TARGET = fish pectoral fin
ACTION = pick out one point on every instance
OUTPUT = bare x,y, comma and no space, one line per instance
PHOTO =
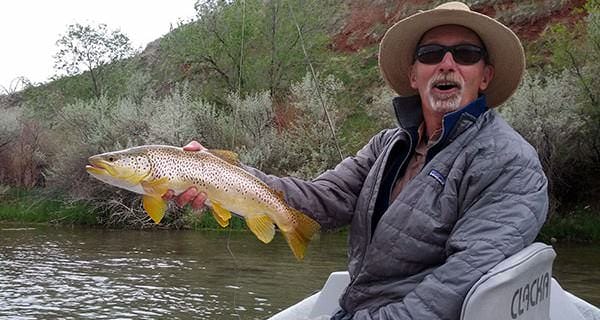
226,155
133,178
262,226
155,207
221,214
156,186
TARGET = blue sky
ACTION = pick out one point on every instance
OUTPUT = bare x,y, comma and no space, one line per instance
30,29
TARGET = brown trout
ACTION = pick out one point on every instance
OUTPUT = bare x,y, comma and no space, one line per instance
152,170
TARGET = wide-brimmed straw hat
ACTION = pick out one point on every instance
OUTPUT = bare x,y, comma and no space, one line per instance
397,49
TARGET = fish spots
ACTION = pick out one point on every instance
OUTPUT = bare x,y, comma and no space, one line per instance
127,164
213,175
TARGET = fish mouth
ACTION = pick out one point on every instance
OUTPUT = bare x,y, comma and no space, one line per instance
99,167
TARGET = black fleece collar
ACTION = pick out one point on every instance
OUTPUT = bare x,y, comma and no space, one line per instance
410,115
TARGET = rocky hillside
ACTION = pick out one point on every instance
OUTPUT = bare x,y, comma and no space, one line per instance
366,21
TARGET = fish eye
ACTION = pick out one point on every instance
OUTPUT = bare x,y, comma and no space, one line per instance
111,159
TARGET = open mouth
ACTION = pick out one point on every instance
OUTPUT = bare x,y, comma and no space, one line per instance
446,86
97,166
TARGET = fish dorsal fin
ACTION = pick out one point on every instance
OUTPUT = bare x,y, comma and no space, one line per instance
226,155
262,226
221,214
280,195
155,207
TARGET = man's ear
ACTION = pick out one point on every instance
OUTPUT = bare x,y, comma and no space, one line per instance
412,77
488,75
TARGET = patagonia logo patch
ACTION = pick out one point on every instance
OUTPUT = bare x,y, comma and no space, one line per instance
437,176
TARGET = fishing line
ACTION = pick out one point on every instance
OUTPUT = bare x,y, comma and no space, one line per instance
235,119
240,73
237,268
317,87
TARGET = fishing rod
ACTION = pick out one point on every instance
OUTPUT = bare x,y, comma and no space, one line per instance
316,82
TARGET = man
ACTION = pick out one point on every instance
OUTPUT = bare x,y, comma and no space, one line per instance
436,203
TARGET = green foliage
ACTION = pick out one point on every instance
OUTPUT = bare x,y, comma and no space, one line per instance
91,48
248,46
366,100
381,108
22,149
546,111
310,144
30,206
593,24
9,126
579,225
246,125
45,100
549,113
575,49
558,110
251,128
203,220
357,129
10,130
236,79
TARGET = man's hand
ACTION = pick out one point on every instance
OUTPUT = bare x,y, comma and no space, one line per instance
191,195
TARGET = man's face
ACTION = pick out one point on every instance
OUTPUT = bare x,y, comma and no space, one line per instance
446,86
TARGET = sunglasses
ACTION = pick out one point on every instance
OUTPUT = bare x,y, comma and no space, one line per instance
465,54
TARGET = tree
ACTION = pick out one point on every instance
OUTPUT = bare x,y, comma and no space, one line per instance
91,48
250,45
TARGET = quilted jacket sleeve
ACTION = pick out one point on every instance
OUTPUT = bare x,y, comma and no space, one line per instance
330,198
503,203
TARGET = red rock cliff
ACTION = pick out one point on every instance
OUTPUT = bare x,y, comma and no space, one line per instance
365,22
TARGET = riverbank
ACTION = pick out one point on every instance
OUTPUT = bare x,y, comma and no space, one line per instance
579,225
35,207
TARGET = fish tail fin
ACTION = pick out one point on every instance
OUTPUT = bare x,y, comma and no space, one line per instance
301,233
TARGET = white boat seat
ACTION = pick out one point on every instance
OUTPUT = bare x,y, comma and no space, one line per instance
517,288
321,305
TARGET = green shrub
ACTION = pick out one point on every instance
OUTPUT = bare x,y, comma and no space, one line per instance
381,107
246,125
547,112
558,109
311,145
581,224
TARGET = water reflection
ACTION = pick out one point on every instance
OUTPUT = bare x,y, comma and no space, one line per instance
577,269
87,273
77,273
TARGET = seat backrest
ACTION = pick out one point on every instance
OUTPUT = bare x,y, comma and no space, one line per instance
517,288
321,305
328,302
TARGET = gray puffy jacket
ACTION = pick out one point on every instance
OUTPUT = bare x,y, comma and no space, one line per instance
481,197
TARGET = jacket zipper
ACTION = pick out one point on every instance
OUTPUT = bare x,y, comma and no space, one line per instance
369,231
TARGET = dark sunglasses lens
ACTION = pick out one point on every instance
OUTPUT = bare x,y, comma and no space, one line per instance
462,54
467,54
430,54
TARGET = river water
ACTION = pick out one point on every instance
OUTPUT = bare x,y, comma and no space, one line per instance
82,273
